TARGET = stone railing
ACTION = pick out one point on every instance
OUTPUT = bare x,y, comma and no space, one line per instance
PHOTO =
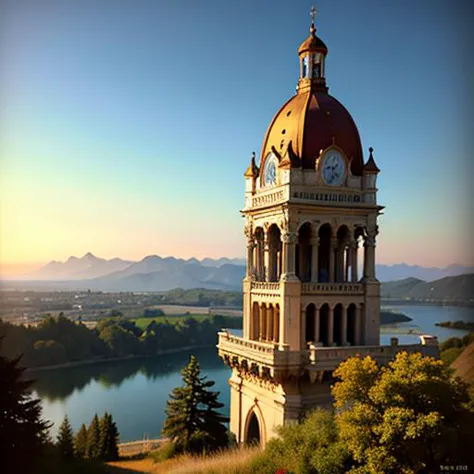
266,285
268,197
332,288
328,358
330,197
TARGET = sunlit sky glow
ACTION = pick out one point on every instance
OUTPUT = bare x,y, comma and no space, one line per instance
125,127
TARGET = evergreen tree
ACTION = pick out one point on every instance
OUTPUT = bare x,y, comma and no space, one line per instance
23,433
108,438
80,442
193,422
93,439
65,440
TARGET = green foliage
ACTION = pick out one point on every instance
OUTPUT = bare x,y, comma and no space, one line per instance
93,439
108,442
165,451
312,446
409,416
153,313
65,441
80,442
457,325
59,340
450,355
193,422
23,433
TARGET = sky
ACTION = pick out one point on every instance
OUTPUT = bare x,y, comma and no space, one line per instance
126,126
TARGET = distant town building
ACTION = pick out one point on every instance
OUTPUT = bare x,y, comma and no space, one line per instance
309,207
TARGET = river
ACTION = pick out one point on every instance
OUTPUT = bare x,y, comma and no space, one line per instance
135,391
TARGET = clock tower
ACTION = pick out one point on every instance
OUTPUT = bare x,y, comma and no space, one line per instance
310,295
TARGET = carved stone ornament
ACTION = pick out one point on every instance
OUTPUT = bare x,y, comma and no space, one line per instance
289,237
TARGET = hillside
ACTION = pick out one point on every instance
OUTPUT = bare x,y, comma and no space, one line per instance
455,289
464,364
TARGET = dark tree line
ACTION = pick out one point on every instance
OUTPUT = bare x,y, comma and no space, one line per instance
60,340
97,442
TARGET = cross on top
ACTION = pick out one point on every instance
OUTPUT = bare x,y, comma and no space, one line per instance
313,13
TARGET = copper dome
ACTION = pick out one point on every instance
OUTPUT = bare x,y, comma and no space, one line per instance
308,123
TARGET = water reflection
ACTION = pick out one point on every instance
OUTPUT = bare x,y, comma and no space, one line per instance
58,384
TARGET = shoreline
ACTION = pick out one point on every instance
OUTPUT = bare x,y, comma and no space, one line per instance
453,304
114,359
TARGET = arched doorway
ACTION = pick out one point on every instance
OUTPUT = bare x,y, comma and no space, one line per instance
338,326
253,430
324,250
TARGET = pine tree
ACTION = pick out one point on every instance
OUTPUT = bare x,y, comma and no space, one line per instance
93,439
23,433
80,442
193,422
65,442
108,438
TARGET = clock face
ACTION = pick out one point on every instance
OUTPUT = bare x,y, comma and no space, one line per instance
334,168
269,171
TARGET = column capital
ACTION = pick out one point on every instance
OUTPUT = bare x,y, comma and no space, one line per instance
289,237
315,240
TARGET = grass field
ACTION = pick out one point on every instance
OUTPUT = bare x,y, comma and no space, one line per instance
233,461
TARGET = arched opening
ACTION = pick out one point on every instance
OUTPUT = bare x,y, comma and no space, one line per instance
324,324
338,325
325,233
274,253
351,324
303,253
358,255
259,254
253,430
310,323
341,255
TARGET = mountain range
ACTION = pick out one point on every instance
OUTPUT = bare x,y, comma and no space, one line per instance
155,273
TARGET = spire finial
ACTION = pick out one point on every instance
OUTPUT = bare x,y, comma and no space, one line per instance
313,13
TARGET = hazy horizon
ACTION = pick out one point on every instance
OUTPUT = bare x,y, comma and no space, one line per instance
125,129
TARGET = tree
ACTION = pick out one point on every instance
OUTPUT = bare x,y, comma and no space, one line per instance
93,439
80,442
23,433
108,439
65,441
193,422
410,416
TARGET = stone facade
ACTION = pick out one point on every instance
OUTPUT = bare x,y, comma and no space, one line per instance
310,296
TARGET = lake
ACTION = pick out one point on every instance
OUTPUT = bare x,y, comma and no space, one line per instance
135,391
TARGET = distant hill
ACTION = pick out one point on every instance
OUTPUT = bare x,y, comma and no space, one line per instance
401,271
74,268
458,288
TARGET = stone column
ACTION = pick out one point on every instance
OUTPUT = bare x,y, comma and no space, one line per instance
354,247
266,258
314,259
348,258
332,263
331,326
344,326
276,324
261,328
357,325
289,242
316,325
369,256
269,323
250,272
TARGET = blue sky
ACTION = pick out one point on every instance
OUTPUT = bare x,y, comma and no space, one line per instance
126,126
